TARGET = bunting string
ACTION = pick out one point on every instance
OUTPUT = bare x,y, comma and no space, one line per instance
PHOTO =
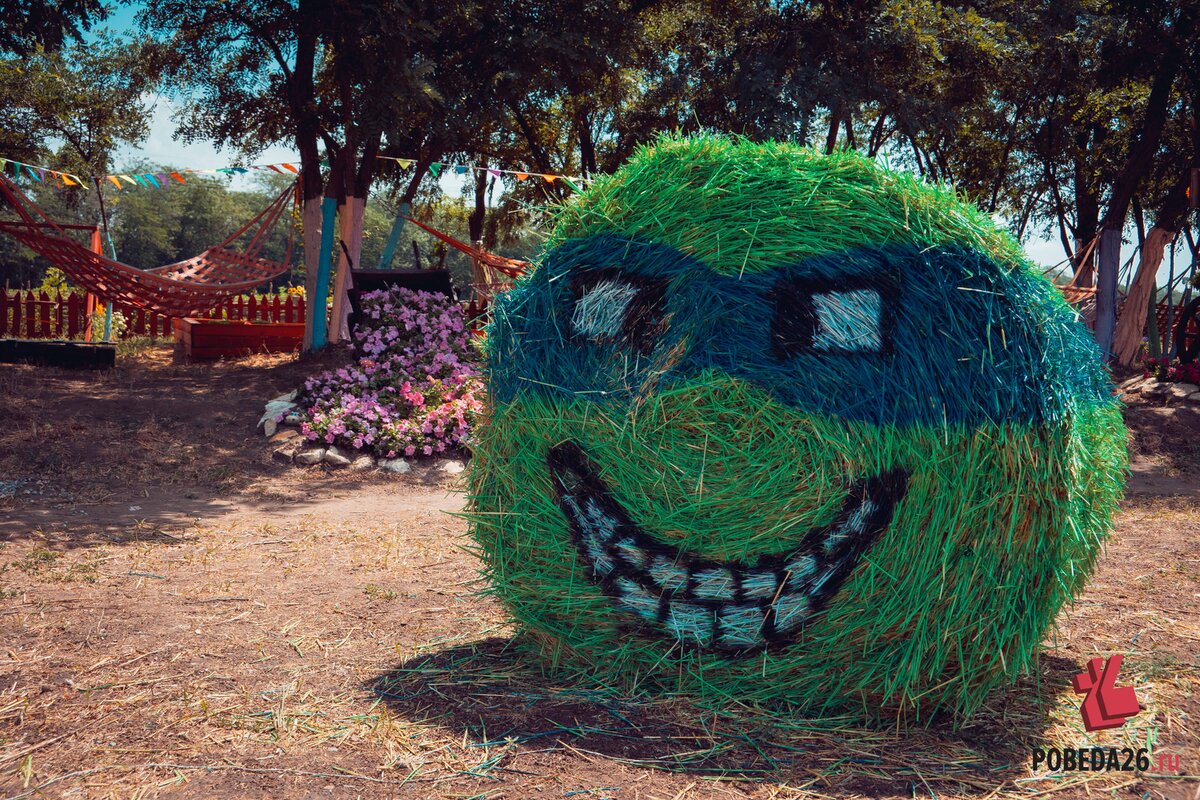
158,180
437,168
39,173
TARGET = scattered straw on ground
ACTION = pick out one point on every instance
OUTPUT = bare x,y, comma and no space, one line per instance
317,633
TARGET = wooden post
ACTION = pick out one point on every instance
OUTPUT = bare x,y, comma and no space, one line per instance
30,316
75,325
44,315
16,319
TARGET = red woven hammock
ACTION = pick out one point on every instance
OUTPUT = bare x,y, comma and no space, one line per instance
181,289
511,267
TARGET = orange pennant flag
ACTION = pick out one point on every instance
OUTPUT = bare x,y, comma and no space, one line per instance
178,177
550,178
522,175
290,168
114,180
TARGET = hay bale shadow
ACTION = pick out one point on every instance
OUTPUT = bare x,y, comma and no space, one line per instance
492,694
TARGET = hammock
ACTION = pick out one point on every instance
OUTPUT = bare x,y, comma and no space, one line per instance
184,288
511,267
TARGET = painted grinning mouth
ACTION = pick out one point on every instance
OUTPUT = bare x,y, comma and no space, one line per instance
711,604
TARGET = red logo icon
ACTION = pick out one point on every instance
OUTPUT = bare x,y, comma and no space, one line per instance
1106,705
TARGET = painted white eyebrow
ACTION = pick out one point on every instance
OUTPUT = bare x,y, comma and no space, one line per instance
600,310
850,320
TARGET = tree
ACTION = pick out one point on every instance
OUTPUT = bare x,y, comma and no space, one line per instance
71,110
260,73
73,107
30,25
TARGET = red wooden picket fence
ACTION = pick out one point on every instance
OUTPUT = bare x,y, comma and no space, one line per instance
39,315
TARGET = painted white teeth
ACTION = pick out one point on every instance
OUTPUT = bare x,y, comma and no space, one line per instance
714,584
668,575
703,603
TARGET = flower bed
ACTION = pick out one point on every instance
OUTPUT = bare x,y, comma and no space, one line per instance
1163,370
413,389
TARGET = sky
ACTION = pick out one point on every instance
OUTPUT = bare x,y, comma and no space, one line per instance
161,148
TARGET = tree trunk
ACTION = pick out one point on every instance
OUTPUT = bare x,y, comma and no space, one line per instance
1087,217
1170,219
1137,164
1108,264
352,206
835,119
350,219
1127,343
311,218
476,218
300,90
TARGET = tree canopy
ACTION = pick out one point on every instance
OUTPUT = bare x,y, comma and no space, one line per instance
1065,119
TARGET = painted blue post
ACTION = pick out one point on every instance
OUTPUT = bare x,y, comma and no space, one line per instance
320,319
393,240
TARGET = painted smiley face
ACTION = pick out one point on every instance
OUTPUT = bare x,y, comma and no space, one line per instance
784,461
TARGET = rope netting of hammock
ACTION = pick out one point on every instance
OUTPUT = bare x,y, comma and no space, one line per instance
184,288
512,267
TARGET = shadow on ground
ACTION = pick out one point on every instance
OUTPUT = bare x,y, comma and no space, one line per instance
152,448
492,694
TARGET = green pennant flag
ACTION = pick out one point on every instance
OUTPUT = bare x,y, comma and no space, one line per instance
435,168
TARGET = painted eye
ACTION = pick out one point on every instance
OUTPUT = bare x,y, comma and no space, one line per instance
849,321
600,311
618,309
836,322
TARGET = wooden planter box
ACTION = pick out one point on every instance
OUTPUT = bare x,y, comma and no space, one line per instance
208,339
50,353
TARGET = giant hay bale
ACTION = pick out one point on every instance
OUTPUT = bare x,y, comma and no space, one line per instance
779,427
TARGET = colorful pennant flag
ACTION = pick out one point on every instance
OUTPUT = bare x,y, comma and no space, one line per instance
160,180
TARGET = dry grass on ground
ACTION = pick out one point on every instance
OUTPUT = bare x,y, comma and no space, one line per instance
179,616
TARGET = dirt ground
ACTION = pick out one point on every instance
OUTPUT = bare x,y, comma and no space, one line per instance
182,616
